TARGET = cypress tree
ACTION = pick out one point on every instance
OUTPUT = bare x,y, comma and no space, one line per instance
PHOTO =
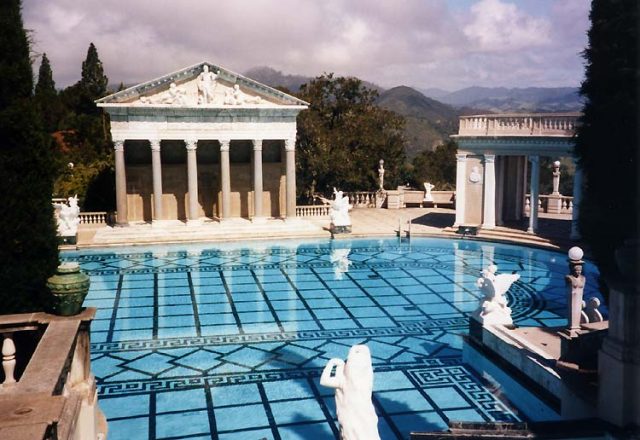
93,84
47,97
607,139
28,243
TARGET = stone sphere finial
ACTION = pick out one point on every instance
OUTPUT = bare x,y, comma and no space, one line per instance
556,164
575,254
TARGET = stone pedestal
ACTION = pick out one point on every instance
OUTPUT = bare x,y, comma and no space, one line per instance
554,204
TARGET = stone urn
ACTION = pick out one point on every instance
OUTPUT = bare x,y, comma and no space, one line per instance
68,288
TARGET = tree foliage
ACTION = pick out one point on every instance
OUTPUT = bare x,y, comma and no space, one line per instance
437,167
28,243
46,97
343,136
84,140
607,139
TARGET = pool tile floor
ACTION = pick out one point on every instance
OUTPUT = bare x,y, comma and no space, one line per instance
229,343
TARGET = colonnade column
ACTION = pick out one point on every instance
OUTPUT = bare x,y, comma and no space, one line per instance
225,178
121,183
156,170
489,215
577,198
192,179
290,147
257,178
534,191
461,181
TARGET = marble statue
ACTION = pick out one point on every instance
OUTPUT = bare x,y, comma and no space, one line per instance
353,382
575,282
339,215
235,96
174,95
493,309
340,260
556,178
206,86
381,174
68,217
427,192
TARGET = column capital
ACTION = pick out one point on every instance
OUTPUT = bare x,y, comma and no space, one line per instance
191,144
154,144
290,144
461,157
118,145
257,144
534,159
224,144
489,158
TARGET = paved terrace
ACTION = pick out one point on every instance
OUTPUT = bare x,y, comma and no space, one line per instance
367,222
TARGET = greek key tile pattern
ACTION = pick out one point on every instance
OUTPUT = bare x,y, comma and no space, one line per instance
228,342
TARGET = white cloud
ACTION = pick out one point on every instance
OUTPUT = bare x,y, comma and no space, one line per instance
411,42
500,26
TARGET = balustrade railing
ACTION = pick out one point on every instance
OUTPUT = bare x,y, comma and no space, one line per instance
562,205
94,218
313,211
46,370
535,124
362,199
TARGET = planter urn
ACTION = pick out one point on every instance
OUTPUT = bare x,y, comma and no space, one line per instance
68,288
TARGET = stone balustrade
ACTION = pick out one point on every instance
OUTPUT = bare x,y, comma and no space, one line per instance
313,211
533,124
362,199
47,385
565,204
95,218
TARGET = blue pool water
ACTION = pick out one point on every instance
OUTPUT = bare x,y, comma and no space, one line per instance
228,341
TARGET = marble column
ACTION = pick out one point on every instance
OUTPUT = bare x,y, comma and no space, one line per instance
121,184
577,198
156,170
192,179
225,179
489,215
257,178
461,182
290,147
500,173
534,192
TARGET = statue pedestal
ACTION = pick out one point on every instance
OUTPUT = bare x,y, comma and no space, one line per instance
554,204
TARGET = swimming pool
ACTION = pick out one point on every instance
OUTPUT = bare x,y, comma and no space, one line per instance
228,341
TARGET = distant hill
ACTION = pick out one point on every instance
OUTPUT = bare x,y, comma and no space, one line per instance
275,78
502,99
429,122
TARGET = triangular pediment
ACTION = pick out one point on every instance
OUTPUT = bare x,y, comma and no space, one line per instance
201,85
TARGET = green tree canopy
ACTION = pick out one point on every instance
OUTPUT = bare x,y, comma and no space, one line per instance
607,139
437,167
28,243
342,137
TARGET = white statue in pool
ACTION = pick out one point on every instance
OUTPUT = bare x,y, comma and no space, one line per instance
339,216
68,217
340,260
493,308
353,382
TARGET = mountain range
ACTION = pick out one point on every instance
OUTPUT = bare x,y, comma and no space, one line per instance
432,114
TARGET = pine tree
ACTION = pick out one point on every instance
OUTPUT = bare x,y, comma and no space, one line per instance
28,243
47,97
607,139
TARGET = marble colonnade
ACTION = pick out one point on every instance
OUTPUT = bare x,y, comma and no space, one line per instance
493,192
191,146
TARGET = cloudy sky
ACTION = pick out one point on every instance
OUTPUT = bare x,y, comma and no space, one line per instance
448,44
